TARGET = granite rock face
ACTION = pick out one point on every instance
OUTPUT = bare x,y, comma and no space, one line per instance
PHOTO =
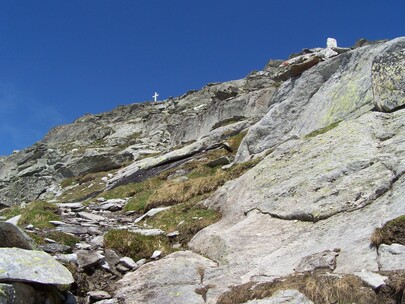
107,141
331,91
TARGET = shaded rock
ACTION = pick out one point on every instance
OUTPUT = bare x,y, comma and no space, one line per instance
12,236
391,257
86,259
73,229
172,279
57,223
111,257
7,293
325,260
284,297
55,247
374,280
224,160
388,75
98,295
32,266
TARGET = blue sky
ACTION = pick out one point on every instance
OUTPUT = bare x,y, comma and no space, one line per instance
62,59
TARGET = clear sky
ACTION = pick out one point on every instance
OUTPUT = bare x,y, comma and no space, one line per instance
62,59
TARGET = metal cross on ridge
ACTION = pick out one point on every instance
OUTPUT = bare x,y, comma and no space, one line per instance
155,96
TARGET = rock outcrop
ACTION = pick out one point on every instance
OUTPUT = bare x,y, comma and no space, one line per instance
307,208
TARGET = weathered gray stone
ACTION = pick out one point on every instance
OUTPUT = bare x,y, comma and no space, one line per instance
97,241
224,160
91,216
55,247
316,100
325,260
12,236
32,266
98,295
326,191
151,213
172,279
284,297
374,280
128,262
391,257
389,76
86,259
73,229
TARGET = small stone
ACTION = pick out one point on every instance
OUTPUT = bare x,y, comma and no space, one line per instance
57,223
141,262
221,161
121,268
86,259
71,205
66,258
49,240
156,254
100,199
91,216
111,257
99,295
83,246
30,227
176,246
73,229
55,247
173,234
374,280
128,262
98,241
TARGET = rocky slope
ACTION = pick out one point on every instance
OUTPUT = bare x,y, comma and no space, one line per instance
307,208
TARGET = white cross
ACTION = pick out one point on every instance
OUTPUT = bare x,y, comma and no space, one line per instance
155,96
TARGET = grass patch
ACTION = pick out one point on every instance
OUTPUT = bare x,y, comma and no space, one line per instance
87,185
39,214
187,218
322,130
135,245
392,232
10,212
321,289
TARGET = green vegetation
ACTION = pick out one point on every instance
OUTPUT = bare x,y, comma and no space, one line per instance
322,130
37,213
392,232
85,186
135,245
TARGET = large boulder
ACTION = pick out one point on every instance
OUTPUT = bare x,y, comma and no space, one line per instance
177,278
19,265
12,236
328,191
